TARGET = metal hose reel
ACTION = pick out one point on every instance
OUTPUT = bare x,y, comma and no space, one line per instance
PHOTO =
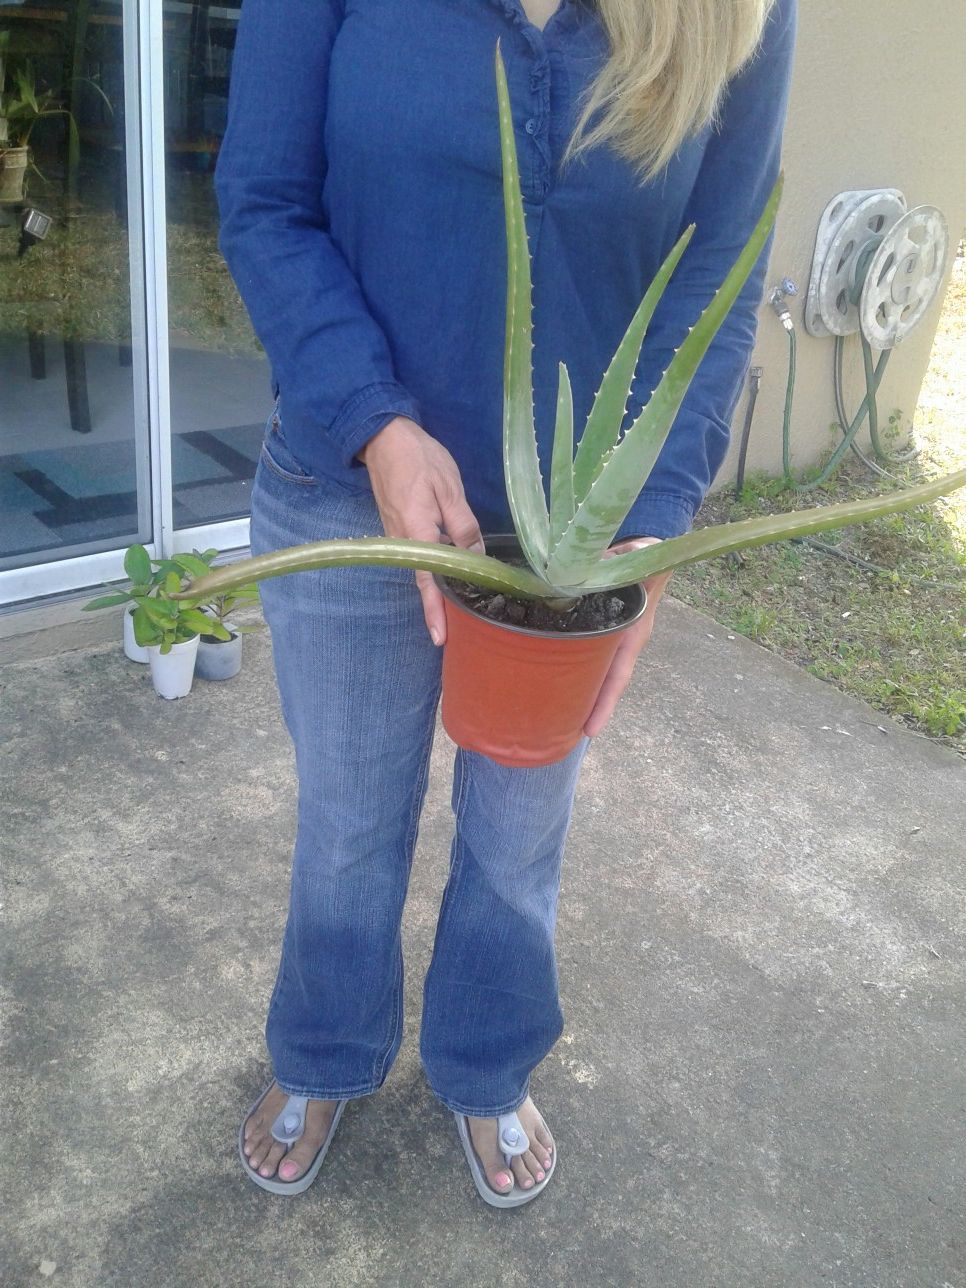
877,266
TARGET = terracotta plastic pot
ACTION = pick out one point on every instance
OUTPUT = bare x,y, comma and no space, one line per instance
519,696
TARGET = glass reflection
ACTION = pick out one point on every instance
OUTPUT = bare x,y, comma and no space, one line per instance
73,468
219,375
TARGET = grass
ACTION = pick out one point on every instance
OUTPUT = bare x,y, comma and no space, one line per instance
896,638
76,283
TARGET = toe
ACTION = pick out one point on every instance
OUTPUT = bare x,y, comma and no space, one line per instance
521,1174
298,1160
271,1160
483,1137
533,1166
543,1144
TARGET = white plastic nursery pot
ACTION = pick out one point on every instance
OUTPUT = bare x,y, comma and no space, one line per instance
220,659
132,649
173,672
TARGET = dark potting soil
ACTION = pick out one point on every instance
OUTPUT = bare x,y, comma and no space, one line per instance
594,612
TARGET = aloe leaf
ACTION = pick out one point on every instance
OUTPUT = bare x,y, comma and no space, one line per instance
723,538
604,422
521,462
625,471
395,552
562,502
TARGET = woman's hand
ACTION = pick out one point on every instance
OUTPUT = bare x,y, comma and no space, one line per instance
419,493
632,641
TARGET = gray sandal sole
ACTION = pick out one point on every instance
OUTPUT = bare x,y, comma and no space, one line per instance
515,1197
301,1183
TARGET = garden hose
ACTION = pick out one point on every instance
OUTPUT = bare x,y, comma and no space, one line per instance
844,417
868,407
789,400
755,385
824,548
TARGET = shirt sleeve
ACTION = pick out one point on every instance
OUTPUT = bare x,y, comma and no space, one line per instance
330,360
740,166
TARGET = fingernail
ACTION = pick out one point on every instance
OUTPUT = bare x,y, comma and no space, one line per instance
478,547
434,635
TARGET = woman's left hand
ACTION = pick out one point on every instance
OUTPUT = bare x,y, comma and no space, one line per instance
632,641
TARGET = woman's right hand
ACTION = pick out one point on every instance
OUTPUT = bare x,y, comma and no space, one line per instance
419,493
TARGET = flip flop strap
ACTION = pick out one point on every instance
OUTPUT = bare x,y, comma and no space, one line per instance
290,1124
511,1137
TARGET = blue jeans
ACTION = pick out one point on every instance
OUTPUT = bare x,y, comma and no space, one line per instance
359,679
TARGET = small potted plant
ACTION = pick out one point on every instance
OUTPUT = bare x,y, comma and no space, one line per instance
170,629
144,578
20,109
220,648
521,693
158,629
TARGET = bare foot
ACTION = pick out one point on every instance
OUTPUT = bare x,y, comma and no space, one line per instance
266,1155
528,1169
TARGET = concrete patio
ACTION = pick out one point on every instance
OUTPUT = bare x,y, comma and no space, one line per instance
761,948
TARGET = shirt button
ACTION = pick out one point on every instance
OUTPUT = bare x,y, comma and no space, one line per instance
531,126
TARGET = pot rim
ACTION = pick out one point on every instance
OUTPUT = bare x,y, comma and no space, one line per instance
533,632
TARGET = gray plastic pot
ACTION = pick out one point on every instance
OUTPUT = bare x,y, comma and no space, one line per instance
220,659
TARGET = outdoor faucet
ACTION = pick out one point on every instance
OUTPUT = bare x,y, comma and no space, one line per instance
776,298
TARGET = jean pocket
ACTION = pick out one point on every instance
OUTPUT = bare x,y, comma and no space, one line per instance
279,459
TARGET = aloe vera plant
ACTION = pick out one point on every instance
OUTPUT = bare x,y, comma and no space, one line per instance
591,491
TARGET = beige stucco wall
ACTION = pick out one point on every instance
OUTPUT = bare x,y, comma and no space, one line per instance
878,101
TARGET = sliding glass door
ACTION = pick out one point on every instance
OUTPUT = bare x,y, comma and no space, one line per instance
74,459
132,390
218,373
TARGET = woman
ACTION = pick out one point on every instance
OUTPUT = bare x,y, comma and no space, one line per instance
361,202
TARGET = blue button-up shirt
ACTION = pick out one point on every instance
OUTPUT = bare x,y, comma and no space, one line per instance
362,218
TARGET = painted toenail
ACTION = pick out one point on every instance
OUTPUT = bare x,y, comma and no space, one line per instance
287,1170
528,1183
503,1179
539,1176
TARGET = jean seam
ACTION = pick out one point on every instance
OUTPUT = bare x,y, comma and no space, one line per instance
304,480
328,1093
381,1069
477,1111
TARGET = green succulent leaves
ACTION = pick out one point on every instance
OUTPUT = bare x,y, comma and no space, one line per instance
521,464
591,493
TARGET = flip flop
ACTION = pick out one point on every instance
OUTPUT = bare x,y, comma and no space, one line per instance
513,1141
287,1128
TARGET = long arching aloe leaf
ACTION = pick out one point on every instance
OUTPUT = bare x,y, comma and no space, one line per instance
625,471
521,462
603,427
621,570
396,552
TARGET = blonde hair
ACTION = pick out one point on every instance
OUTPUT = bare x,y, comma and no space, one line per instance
669,64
